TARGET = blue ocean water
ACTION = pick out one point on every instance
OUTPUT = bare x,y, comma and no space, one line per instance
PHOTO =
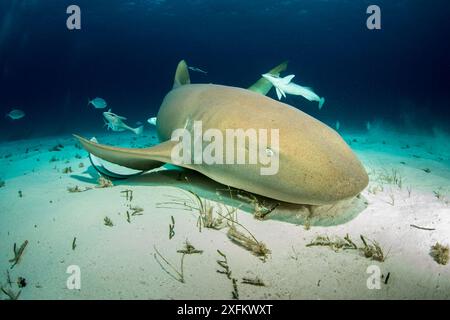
126,53
68,232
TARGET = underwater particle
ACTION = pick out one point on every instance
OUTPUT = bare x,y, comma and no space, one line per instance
77,156
74,243
98,103
440,253
254,282
81,165
56,148
67,170
427,170
21,282
20,194
104,183
53,159
108,222
16,114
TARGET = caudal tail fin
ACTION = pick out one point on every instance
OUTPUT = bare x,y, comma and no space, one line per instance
321,102
138,159
139,131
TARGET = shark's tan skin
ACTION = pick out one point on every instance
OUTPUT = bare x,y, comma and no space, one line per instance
316,166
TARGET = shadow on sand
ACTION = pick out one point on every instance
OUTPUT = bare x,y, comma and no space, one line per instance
208,189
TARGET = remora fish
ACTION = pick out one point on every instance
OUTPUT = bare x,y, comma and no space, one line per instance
285,86
115,123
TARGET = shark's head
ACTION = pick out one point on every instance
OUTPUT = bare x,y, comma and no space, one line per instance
269,77
272,79
110,117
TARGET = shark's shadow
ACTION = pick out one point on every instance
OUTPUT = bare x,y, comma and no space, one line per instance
211,190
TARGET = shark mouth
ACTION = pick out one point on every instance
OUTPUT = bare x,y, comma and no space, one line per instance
111,170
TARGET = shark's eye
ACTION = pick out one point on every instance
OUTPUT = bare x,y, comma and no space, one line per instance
269,152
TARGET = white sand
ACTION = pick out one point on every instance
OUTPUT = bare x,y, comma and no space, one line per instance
117,262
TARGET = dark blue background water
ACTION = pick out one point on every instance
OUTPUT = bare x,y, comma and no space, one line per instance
127,52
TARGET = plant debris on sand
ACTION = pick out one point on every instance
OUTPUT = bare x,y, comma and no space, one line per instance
169,267
77,189
225,269
103,182
440,253
254,281
18,253
248,242
11,295
370,250
108,222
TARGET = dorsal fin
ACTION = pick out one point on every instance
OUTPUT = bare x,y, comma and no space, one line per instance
263,86
288,79
181,75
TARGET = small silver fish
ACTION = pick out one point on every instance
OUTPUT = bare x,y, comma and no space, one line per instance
16,114
98,103
338,125
152,121
197,70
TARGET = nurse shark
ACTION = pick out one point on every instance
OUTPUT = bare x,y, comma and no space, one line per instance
316,166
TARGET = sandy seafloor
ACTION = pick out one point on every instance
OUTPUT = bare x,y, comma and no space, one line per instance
118,262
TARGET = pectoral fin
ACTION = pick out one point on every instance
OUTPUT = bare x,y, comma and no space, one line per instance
288,79
280,93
